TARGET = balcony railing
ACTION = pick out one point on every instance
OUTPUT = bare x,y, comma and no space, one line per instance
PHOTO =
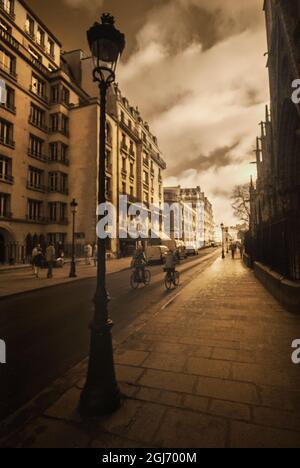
6,215
7,12
36,187
9,39
9,107
59,190
6,178
36,155
42,96
7,142
36,219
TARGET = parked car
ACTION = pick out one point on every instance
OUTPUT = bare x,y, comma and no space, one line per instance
191,250
156,254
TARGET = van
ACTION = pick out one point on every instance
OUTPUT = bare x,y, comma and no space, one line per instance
156,254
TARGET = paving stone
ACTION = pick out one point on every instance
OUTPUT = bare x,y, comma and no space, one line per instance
230,410
163,361
110,441
277,418
260,375
66,407
159,396
196,403
185,429
208,368
168,381
128,374
227,390
118,422
245,435
130,358
146,422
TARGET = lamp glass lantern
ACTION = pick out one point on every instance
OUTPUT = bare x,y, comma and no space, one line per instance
106,44
74,206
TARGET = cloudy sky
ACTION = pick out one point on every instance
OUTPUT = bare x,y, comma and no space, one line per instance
197,71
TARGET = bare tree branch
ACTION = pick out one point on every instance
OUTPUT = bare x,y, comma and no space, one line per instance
241,202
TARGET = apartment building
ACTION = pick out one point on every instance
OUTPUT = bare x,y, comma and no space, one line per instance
196,219
49,141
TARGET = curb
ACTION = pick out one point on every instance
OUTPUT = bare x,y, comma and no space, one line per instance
51,286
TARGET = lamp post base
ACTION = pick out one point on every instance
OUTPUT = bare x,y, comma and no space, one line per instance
73,270
101,395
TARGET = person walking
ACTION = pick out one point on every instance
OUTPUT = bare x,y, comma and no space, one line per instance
37,259
50,258
233,248
95,254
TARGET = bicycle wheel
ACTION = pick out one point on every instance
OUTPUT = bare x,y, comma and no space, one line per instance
147,277
133,281
168,282
176,278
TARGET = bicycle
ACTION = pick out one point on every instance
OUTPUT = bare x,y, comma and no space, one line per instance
172,279
138,278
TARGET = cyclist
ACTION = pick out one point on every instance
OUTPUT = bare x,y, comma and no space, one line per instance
171,262
139,262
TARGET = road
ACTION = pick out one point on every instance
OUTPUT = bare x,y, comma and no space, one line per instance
47,331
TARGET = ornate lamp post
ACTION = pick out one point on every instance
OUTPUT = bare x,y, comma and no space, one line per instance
101,394
74,208
227,239
223,246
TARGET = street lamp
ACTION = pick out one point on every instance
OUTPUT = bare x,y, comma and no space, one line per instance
227,239
223,247
101,394
74,208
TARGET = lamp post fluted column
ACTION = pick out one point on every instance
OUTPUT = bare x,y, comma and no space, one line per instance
223,247
101,394
74,206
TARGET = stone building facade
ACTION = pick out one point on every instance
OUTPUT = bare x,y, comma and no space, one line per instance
196,216
49,141
275,198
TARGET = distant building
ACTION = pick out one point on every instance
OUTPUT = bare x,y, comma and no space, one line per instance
196,215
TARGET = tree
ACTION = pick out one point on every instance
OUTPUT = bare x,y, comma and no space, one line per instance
241,202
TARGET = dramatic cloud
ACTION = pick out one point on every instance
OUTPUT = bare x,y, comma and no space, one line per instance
198,75
89,4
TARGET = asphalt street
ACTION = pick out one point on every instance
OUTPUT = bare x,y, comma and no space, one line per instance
47,331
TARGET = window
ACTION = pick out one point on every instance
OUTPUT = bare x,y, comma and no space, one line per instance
40,37
35,178
37,117
124,164
58,182
122,117
4,205
8,6
34,210
146,198
131,150
36,147
131,170
53,156
50,48
38,86
55,94
131,191
124,191
52,210
54,121
65,125
7,62
10,99
6,133
29,26
146,177
64,154
65,96
5,169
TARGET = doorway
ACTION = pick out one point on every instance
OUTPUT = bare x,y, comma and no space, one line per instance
2,249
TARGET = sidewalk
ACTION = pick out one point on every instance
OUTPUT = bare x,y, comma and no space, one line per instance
22,280
211,370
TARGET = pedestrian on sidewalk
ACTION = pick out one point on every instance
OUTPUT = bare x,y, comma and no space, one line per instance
233,248
95,254
241,249
37,260
88,253
50,258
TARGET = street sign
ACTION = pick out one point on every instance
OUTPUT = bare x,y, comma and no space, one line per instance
3,92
